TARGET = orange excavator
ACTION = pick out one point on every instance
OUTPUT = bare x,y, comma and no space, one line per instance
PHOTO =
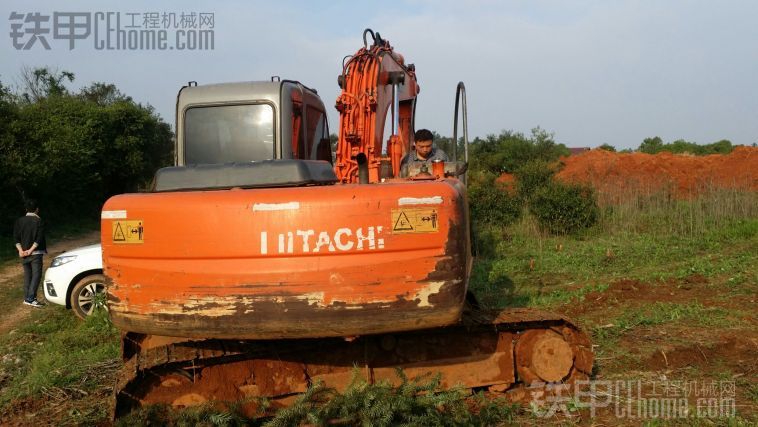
260,264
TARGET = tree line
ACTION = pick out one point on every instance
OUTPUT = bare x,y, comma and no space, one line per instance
72,150
69,150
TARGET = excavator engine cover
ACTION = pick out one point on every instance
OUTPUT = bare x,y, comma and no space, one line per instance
294,262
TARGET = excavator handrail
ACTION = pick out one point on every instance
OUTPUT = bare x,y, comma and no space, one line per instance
460,89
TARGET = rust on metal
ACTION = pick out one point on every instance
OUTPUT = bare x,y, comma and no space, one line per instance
543,355
487,350
310,276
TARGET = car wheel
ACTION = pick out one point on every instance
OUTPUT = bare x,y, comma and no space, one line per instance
88,294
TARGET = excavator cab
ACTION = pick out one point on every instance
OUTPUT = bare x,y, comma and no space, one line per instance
250,122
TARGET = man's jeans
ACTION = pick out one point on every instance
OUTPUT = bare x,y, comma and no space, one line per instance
32,275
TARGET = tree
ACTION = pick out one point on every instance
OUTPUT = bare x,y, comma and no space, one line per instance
103,94
651,145
40,83
71,151
681,146
607,147
510,150
723,146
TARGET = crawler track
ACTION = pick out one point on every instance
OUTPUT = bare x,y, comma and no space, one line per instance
496,351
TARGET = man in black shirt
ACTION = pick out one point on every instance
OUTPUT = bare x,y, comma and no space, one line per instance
29,233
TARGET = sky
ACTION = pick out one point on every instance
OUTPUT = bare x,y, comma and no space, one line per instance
590,72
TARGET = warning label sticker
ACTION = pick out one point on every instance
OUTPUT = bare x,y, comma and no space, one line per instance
128,231
415,221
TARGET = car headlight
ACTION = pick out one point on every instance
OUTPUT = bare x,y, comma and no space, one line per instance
60,260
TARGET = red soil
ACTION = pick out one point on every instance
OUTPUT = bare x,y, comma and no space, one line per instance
683,175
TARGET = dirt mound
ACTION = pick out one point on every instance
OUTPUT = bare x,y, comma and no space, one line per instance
681,175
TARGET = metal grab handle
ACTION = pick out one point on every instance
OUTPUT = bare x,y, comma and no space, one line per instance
460,89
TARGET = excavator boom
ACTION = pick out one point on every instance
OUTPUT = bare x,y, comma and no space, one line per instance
375,81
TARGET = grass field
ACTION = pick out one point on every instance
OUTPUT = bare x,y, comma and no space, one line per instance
666,288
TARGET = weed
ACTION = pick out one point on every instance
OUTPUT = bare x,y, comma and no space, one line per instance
417,401
56,351
635,208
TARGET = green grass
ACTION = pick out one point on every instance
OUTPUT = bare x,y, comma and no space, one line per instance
528,268
661,313
11,293
563,296
54,352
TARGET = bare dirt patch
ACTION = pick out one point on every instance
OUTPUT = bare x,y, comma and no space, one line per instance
634,293
733,352
695,350
56,409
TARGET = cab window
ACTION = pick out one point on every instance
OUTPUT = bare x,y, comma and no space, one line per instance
228,133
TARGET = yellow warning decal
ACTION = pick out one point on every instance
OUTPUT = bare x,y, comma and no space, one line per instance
128,232
415,221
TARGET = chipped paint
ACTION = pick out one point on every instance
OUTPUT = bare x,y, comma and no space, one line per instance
409,201
228,305
263,207
312,298
119,214
424,293
215,306
372,281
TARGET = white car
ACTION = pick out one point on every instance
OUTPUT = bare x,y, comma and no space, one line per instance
75,279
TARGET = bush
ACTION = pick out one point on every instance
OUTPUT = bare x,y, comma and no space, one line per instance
655,145
511,150
419,401
492,202
564,208
533,175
